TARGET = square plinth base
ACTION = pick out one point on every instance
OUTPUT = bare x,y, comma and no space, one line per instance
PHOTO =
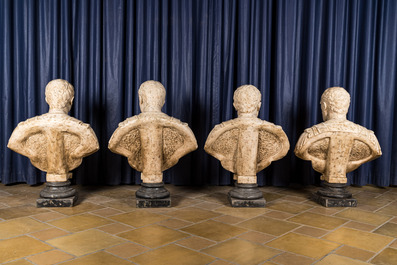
246,203
63,202
334,202
153,203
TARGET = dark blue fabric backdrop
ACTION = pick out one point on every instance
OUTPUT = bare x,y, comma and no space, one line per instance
201,51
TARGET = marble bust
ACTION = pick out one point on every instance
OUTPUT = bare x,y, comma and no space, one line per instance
337,146
246,145
153,142
55,142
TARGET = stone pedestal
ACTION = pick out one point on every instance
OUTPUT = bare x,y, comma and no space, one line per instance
152,195
334,195
57,194
246,195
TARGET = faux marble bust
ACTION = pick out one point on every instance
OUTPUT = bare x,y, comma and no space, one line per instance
55,142
152,141
337,146
247,144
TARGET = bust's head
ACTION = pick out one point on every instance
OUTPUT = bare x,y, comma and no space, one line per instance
151,96
59,95
247,100
335,103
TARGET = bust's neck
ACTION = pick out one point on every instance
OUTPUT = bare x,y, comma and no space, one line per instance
336,116
247,115
57,111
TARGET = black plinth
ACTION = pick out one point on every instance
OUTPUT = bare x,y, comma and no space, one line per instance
152,195
334,195
57,194
246,195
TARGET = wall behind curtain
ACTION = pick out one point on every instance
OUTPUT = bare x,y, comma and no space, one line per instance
201,51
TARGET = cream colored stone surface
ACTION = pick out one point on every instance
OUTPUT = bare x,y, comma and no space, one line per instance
337,146
152,141
55,142
247,144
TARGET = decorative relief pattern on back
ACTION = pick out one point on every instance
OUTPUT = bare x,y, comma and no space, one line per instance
226,144
319,149
172,141
37,144
268,145
359,151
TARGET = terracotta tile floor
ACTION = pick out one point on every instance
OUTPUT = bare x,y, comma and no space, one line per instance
199,228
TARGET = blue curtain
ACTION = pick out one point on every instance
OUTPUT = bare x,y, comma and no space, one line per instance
201,50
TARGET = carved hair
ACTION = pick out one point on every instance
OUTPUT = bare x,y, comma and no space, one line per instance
59,94
151,93
247,99
337,99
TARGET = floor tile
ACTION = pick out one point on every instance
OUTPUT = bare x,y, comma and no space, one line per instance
19,262
127,250
208,205
228,219
360,226
279,215
340,260
363,216
311,231
10,249
85,242
303,245
20,211
153,236
390,209
122,205
195,243
386,257
20,226
241,252
78,209
270,197
107,212
256,237
115,228
394,244
288,207
216,197
221,262
171,255
326,210
81,222
318,220
99,258
354,253
139,218
388,229
289,258
214,230
49,234
193,214
241,212
48,216
50,257
359,239
268,225
174,223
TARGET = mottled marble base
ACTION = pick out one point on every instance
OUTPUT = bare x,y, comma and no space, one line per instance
334,195
57,194
153,203
246,203
246,195
62,202
152,195
334,202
